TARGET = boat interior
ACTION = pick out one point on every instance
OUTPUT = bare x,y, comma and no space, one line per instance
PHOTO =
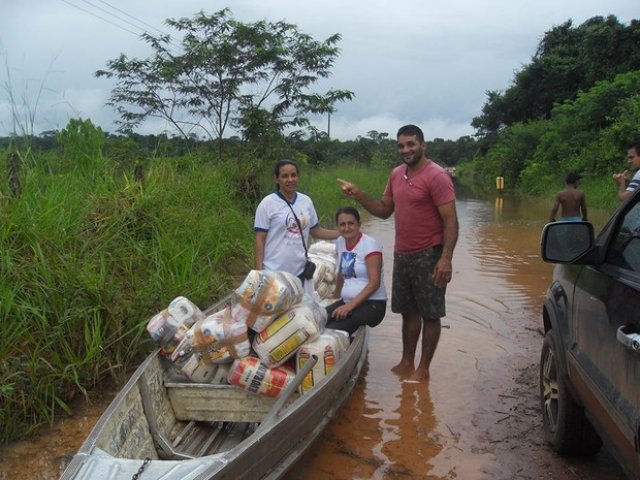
161,415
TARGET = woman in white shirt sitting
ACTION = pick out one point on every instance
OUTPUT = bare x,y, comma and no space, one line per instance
360,284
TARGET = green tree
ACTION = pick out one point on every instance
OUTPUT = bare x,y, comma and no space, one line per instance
82,142
253,77
568,60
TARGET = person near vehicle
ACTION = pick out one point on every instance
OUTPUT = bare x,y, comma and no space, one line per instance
571,201
422,196
279,235
625,186
360,282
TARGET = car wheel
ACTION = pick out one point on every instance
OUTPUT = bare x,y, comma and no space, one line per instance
566,427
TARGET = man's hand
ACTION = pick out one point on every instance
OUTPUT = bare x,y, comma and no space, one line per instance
348,189
443,272
621,178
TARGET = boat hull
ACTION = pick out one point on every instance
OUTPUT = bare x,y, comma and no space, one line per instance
263,443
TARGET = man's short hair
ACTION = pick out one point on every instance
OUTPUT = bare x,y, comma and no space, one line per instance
635,145
573,178
411,130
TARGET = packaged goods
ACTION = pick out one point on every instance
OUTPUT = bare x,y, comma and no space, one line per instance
322,246
184,349
188,363
169,347
222,374
218,339
323,254
264,295
329,348
167,327
325,290
185,311
196,370
282,338
162,327
252,375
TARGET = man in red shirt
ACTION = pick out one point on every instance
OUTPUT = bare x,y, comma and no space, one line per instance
421,194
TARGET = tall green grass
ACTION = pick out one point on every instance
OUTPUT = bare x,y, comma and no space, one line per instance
85,260
321,185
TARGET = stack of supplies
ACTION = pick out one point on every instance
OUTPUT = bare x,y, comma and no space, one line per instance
323,254
268,331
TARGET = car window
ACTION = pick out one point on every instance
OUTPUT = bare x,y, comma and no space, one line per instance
624,251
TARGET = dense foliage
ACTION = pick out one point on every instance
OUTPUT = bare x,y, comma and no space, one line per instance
568,60
89,254
575,107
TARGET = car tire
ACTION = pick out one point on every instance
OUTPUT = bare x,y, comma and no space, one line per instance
566,428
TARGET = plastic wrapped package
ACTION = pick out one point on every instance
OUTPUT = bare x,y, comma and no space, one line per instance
219,339
188,362
185,311
196,370
282,338
254,376
167,327
265,295
324,279
329,347
162,327
322,246
170,347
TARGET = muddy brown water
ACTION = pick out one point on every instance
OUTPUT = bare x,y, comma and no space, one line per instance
478,417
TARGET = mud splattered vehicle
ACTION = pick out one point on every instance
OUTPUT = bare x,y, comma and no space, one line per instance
590,361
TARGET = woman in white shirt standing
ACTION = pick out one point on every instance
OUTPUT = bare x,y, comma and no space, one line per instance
284,219
360,283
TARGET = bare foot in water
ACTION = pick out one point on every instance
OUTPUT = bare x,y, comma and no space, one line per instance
403,369
419,376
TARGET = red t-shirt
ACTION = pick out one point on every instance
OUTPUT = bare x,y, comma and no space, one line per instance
416,200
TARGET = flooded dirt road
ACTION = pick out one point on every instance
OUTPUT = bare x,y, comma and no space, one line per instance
478,417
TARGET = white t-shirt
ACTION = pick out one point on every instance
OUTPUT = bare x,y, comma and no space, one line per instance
283,250
353,267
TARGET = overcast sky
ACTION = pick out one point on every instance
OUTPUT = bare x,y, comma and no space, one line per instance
426,62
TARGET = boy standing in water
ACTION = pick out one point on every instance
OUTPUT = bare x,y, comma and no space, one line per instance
572,201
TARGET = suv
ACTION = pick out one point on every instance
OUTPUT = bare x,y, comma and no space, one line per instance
590,361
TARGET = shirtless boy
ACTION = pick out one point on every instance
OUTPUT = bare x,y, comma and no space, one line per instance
572,201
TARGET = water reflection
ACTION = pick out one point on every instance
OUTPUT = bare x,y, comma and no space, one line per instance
350,446
498,208
411,441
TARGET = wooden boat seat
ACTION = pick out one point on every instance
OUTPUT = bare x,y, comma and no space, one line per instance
210,418
195,431
217,403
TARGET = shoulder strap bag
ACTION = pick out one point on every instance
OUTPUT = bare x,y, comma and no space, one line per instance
309,266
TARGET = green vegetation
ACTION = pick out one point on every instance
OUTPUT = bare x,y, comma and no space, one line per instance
575,107
255,77
586,135
88,258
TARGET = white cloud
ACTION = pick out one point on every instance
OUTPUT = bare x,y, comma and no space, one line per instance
418,61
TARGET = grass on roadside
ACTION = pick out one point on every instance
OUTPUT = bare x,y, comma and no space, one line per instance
86,261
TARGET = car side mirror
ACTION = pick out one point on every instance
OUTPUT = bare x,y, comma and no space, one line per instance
566,242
